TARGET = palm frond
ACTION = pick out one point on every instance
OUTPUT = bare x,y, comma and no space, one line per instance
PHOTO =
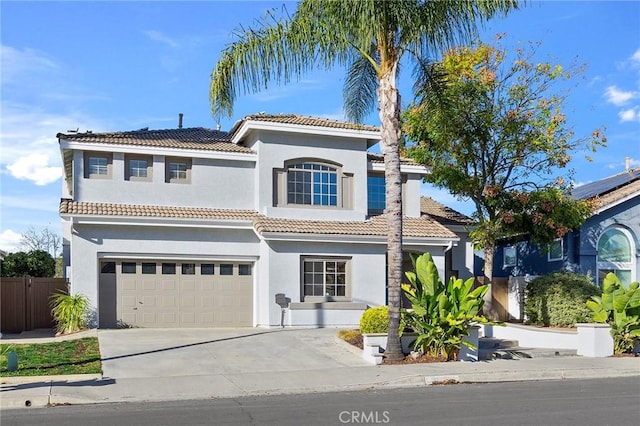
359,90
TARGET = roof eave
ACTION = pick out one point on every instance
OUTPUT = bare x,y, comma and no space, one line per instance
89,219
241,130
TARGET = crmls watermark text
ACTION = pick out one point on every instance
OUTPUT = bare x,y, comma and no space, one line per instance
364,417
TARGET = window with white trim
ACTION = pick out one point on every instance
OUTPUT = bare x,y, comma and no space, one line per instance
325,279
615,254
510,256
556,250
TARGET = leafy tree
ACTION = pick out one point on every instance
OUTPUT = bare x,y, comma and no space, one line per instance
36,263
494,132
369,38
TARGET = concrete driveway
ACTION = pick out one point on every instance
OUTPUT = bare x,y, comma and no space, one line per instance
140,353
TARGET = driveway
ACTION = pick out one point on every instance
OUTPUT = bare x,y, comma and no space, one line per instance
140,353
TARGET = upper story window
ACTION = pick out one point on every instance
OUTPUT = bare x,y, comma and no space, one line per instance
312,183
138,168
376,195
97,165
177,170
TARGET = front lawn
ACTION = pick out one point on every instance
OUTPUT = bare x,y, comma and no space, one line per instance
80,356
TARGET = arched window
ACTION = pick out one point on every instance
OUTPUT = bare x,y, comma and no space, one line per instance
312,183
615,254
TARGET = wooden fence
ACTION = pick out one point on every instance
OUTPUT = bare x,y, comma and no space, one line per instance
499,297
24,302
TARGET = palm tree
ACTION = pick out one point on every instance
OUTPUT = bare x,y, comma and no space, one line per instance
369,38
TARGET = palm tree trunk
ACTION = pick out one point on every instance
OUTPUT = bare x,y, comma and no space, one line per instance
389,111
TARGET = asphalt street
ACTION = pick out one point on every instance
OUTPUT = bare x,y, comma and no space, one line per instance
562,402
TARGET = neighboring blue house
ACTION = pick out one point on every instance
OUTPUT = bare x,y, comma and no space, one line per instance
609,241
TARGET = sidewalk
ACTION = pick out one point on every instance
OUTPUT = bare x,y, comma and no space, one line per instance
42,391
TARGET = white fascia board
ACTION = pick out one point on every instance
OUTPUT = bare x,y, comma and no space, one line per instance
158,222
354,239
250,125
154,150
169,256
617,202
404,168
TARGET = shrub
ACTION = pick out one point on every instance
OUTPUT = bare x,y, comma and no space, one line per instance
620,308
558,299
375,320
70,311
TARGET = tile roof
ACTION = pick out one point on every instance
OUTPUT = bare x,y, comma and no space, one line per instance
376,226
379,158
441,213
71,207
188,138
305,121
423,227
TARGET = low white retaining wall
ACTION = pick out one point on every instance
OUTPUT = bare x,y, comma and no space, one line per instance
591,340
595,340
375,343
533,337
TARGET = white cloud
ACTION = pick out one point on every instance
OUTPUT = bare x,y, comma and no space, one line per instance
10,240
162,38
636,57
36,168
619,97
631,114
16,63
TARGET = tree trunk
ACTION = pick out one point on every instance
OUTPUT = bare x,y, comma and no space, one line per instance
390,140
487,308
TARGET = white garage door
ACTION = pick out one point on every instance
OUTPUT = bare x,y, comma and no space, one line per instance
182,294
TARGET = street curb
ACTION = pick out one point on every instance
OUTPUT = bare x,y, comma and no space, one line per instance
18,380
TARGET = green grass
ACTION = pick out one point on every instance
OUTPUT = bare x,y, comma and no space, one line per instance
79,356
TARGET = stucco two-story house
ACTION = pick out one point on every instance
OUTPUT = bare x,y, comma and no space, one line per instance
609,240
278,221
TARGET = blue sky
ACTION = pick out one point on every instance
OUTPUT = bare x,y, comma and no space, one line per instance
116,66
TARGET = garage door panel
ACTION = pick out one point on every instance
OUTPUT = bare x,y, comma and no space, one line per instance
182,297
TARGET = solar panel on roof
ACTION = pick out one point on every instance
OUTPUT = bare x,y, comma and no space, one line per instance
605,185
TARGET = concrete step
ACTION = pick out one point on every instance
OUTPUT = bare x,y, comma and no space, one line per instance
522,353
494,343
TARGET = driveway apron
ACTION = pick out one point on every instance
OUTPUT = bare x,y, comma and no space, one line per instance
139,353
